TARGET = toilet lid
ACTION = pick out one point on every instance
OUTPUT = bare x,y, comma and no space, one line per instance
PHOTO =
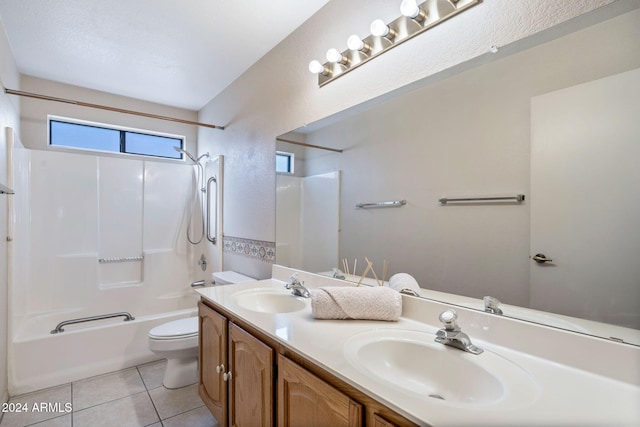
230,277
176,328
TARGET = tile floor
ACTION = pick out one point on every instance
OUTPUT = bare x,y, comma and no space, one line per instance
133,397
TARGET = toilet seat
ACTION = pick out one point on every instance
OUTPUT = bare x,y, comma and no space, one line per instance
176,329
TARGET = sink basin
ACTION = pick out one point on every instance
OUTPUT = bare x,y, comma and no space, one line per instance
412,363
268,300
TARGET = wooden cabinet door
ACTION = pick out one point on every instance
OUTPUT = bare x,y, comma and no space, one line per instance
251,382
212,352
306,400
378,421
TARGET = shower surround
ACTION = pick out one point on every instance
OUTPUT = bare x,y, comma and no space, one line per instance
76,217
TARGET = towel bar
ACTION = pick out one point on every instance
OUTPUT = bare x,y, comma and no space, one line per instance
389,204
121,259
518,198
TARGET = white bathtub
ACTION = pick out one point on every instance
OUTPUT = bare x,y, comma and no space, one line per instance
39,359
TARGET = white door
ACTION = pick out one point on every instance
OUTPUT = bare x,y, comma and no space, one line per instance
585,200
321,221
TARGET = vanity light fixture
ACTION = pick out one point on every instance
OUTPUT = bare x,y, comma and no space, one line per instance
334,56
355,43
380,29
410,9
317,68
415,19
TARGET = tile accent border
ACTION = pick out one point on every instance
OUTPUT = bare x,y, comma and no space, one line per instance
255,249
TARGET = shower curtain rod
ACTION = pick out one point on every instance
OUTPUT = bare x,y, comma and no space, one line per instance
105,107
304,144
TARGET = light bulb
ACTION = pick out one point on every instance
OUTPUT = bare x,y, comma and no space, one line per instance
334,56
354,42
316,67
409,8
379,28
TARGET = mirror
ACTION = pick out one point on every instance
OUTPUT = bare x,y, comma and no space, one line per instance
472,135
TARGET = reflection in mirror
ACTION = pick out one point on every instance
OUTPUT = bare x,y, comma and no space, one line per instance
308,216
476,133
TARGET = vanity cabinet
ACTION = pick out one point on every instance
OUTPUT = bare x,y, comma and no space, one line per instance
212,356
306,400
236,372
251,380
241,368
378,421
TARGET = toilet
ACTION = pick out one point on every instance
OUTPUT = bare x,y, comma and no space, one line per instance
177,341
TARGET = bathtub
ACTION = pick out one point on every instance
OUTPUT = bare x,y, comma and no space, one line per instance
39,359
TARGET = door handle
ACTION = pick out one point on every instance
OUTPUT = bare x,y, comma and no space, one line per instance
541,258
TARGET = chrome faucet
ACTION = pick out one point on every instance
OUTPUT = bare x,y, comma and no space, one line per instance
198,283
297,287
492,305
338,274
452,335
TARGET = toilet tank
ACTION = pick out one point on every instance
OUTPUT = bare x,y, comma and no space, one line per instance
229,277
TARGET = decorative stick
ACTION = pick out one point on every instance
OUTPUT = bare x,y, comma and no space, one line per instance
355,263
366,270
384,271
373,271
345,266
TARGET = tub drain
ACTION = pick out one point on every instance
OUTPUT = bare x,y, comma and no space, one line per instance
436,396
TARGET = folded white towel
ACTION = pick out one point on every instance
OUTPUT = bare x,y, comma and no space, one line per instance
405,283
362,302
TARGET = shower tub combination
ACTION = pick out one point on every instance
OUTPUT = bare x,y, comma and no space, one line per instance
40,359
93,235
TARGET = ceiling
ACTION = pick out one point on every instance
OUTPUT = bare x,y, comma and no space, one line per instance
180,53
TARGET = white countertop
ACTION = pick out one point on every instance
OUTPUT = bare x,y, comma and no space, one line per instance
563,394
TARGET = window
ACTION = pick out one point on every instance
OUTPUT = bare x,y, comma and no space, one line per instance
98,137
284,162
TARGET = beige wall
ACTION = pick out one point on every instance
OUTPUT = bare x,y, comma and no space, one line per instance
9,117
278,94
34,112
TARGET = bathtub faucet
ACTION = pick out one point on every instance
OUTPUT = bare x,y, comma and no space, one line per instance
198,283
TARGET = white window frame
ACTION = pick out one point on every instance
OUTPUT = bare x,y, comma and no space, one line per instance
50,146
292,159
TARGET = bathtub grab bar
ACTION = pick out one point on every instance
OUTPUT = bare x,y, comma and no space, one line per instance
212,238
58,328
